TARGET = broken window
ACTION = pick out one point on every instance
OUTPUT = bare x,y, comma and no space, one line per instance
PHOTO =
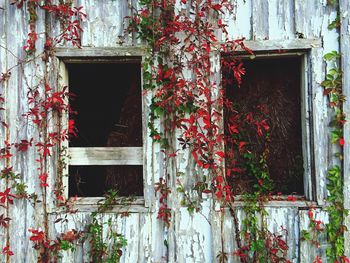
263,121
107,153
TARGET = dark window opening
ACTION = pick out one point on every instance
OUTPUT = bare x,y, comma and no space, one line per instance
108,101
267,102
95,180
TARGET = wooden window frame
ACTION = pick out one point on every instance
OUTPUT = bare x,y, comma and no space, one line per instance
108,155
306,49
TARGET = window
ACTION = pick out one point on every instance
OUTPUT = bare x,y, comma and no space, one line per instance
108,150
271,107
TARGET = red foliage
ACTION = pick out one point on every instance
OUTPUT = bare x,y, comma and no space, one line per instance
6,250
6,196
164,211
4,221
38,236
69,17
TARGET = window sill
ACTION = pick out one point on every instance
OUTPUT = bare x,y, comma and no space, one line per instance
122,205
280,202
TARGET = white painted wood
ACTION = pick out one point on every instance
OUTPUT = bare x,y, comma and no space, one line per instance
260,19
345,64
239,25
308,251
308,18
4,55
90,204
276,45
308,158
320,124
285,222
193,237
106,156
101,52
105,22
280,13
296,25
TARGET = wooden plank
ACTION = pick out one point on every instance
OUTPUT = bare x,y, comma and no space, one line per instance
238,23
281,204
288,44
285,221
130,228
345,63
4,55
260,19
122,204
107,52
106,22
308,250
192,233
309,187
280,19
23,215
145,236
320,122
106,156
309,18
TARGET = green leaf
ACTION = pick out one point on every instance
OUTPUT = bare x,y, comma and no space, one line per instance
331,56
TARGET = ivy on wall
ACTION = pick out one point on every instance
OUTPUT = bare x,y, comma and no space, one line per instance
187,97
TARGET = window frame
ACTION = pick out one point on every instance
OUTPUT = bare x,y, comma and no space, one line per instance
306,49
102,155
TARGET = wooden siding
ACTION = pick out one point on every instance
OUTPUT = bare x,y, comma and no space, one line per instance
191,238
345,62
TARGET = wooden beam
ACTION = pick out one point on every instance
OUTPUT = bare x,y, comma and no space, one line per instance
93,52
277,45
106,156
345,64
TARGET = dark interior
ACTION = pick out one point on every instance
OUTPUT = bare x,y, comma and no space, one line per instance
107,99
270,88
95,180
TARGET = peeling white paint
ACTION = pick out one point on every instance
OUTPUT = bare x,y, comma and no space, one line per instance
193,238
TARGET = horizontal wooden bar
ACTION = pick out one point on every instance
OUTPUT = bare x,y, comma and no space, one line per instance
93,52
288,44
106,156
121,205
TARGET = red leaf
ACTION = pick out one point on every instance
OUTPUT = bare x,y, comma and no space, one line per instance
6,250
221,154
241,145
216,7
291,198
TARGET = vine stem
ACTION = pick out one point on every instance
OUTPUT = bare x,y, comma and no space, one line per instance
237,232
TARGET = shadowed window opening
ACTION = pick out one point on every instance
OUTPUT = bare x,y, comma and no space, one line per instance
107,98
270,94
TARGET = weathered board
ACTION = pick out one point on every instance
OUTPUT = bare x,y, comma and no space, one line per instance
266,24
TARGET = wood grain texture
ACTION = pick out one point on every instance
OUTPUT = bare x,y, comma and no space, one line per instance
345,63
267,25
106,156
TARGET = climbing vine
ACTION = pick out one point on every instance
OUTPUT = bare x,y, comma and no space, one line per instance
188,101
189,104
335,228
181,40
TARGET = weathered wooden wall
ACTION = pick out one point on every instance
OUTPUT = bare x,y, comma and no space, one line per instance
194,238
344,49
